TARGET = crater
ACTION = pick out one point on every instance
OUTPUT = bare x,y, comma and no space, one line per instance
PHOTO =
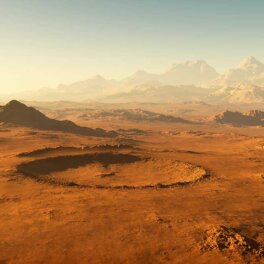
110,169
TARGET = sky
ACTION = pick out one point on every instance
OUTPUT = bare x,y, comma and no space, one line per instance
45,43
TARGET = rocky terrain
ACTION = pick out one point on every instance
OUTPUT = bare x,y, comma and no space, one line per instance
132,115
160,192
131,132
250,118
227,239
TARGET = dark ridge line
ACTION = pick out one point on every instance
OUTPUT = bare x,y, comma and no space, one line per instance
76,161
47,150
44,151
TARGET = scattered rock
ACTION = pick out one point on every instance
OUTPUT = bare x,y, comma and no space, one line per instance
228,239
105,175
256,113
260,175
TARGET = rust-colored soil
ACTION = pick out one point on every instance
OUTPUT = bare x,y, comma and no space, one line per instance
77,204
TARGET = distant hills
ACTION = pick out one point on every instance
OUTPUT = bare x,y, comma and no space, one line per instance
161,93
251,118
188,73
17,113
192,80
242,93
133,115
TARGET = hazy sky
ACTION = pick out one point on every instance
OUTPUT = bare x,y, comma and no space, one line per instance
46,42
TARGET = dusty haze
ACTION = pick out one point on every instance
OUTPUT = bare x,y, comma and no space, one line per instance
132,132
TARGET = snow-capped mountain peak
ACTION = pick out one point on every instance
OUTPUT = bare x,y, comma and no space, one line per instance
249,70
250,62
199,65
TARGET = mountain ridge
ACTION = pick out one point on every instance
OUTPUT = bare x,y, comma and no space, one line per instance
242,84
18,113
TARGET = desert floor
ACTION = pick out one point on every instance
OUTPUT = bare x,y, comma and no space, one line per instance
50,222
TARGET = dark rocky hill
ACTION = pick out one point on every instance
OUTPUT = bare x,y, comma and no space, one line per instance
17,113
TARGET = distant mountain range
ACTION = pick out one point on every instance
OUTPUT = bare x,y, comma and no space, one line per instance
160,93
189,73
250,70
192,80
241,93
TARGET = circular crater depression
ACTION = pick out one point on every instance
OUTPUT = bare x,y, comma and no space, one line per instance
112,170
